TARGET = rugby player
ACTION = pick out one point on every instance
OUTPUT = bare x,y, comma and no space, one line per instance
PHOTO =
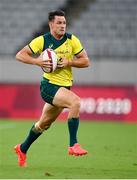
55,87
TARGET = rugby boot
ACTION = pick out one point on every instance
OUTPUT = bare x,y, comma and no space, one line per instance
21,156
77,150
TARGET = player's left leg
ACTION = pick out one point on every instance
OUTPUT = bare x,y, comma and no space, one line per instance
48,116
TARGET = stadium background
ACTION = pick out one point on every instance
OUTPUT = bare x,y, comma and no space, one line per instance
108,89
108,31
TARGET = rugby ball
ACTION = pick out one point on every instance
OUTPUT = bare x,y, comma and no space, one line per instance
49,54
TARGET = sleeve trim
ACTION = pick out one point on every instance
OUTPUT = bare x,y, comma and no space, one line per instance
31,49
79,51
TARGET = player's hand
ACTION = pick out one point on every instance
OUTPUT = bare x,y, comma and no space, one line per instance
63,62
45,64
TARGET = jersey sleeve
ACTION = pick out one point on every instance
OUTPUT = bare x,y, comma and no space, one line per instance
36,45
76,45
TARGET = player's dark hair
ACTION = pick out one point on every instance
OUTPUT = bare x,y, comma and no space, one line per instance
52,14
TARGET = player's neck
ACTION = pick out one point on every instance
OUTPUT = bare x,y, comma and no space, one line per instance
56,36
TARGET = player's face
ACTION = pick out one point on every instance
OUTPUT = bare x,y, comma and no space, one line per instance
58,26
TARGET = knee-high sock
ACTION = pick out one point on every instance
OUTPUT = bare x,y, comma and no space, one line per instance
32,136
73,125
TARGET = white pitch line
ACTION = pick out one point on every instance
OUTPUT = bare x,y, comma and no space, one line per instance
7,126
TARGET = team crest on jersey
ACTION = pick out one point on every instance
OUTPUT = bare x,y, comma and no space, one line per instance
50,46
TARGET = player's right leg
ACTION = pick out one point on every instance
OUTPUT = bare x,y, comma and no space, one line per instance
66,98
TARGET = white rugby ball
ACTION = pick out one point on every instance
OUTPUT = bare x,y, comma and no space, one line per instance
49,54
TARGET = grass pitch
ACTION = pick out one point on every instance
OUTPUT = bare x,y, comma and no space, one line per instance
112,152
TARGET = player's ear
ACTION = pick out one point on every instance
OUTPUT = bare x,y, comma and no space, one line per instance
50,24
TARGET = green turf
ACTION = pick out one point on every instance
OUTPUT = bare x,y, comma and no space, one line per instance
112,152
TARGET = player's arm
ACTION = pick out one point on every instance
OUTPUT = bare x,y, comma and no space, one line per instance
25,55
81,61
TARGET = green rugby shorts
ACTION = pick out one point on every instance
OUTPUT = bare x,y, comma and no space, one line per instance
48,90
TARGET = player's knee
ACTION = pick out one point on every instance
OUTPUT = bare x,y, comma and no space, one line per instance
76,103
